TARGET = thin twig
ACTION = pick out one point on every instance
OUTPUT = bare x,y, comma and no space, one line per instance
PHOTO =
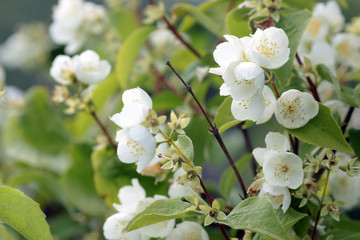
214,130
103,129
347,119
177,34
312,86
321,205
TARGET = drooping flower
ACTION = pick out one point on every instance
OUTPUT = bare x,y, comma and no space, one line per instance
248,109
62,70
269,48
270,103
89,69
244,79
283,169
136,144
294,108
188,231
274,141
277,196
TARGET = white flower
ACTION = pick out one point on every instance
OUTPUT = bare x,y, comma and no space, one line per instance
89,69
136,144
188,231
274,141
277,196
294,108
269,48
129,197
94,18
322,52
68,13
62,70
248,109
283,169
330,13
243,79
137,104
347,47
228,52
337,106
114,226
270,103
179,190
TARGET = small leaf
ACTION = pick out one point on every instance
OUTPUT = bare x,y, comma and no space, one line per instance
228,178
237,23
340,91
323,131
162,210
199,16
223,117
23,214
256,215
290,217
354,136
186,146
128,52
294,25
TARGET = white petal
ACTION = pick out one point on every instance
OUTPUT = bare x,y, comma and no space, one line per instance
217,71
249,109
270,103
188,231
224,90
130,115
62,69
277,142
115,224
137,96
130,196
259,155
228,52
278,193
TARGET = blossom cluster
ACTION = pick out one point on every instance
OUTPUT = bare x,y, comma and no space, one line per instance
133,200
282,169
243,63
74,21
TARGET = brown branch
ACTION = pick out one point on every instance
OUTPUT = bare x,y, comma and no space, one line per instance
177,34
214,130
312,86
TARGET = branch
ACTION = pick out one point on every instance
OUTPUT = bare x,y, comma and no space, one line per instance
214,130
177,34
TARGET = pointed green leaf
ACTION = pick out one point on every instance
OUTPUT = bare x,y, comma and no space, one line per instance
341,92
128,52
186,146
228,178
237,23
199,16
290,217
223,117
162,210
294,25
256,215
23,214
323,131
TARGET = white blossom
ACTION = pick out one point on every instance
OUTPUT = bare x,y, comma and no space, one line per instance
136,144
114,226
188,231
270,104
274,141
277,196
178,190
243,79
294,108
322,52
94,18
89,69
129,197
137,104
248,109
62,69
283,169
269,48
347,48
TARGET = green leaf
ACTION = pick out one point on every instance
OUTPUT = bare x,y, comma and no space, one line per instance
128,52
354,136
39,124
290,217
256,215
4,235
344,235
166,100
186,146
162,210
23,214
340,91
300,4
237,23
124,20
357,94
228,178
223,117
343,3
199,16
323,131
294,25
78,182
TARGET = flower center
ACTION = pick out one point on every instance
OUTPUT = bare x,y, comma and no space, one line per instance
135,148
269,49
314,27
